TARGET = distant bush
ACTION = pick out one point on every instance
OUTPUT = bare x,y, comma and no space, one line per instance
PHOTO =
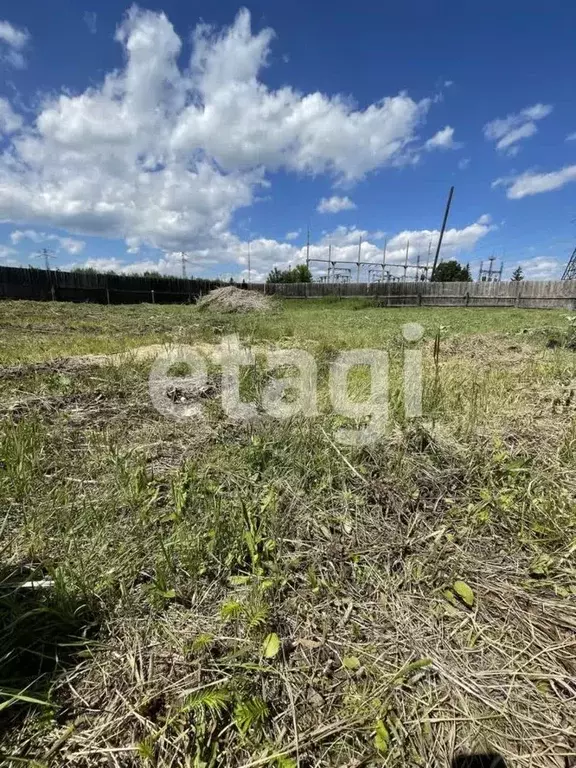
299,274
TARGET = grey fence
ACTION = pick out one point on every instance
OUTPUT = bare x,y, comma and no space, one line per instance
544,294
39,284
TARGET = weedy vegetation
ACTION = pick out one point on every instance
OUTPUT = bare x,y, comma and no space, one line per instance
228,594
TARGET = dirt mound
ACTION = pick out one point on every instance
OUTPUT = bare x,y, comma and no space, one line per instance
231,299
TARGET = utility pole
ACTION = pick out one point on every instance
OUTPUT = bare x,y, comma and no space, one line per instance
406,259
359,259
445,219
330,261
384,256
308,248
428,258
184,260
249,255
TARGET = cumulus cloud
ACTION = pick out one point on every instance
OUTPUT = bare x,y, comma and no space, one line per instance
292,235
13,41
229,257
444,139
164,156
344,246
571,136
539,268
69,244
532,183
508,131
335,204
9,120
6,251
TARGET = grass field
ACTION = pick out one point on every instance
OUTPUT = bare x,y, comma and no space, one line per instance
230,594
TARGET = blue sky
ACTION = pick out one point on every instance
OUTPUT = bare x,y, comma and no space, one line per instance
129,134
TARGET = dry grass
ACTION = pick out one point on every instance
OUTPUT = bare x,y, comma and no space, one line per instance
176,552
231,299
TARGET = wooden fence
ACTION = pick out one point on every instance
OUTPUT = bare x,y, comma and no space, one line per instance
543,294
29,283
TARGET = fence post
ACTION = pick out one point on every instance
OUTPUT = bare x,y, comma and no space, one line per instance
153,301
107,295
467,298
518,294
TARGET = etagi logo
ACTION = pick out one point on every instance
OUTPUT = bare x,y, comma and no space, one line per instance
230,355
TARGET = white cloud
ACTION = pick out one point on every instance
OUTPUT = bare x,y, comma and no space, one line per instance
29,234
307,133
69,244
539,268
99,264
335,204
292,235
508,131
464,163
531,183
90,19
444,139
163,156
6,251
229,257
265,254
13,40
571,136
9,120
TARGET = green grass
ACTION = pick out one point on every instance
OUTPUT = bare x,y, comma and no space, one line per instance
34,331
179,552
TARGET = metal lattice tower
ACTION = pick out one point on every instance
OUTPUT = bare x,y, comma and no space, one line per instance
489,274
570,271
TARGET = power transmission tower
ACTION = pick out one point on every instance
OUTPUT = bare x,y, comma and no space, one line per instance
46,255
184,259
570,271
490,275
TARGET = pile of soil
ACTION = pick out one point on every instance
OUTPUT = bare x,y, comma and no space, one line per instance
231,299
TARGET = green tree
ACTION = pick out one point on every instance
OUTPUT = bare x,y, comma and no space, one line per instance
451,272
518,275
299,274
275,276
302,274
